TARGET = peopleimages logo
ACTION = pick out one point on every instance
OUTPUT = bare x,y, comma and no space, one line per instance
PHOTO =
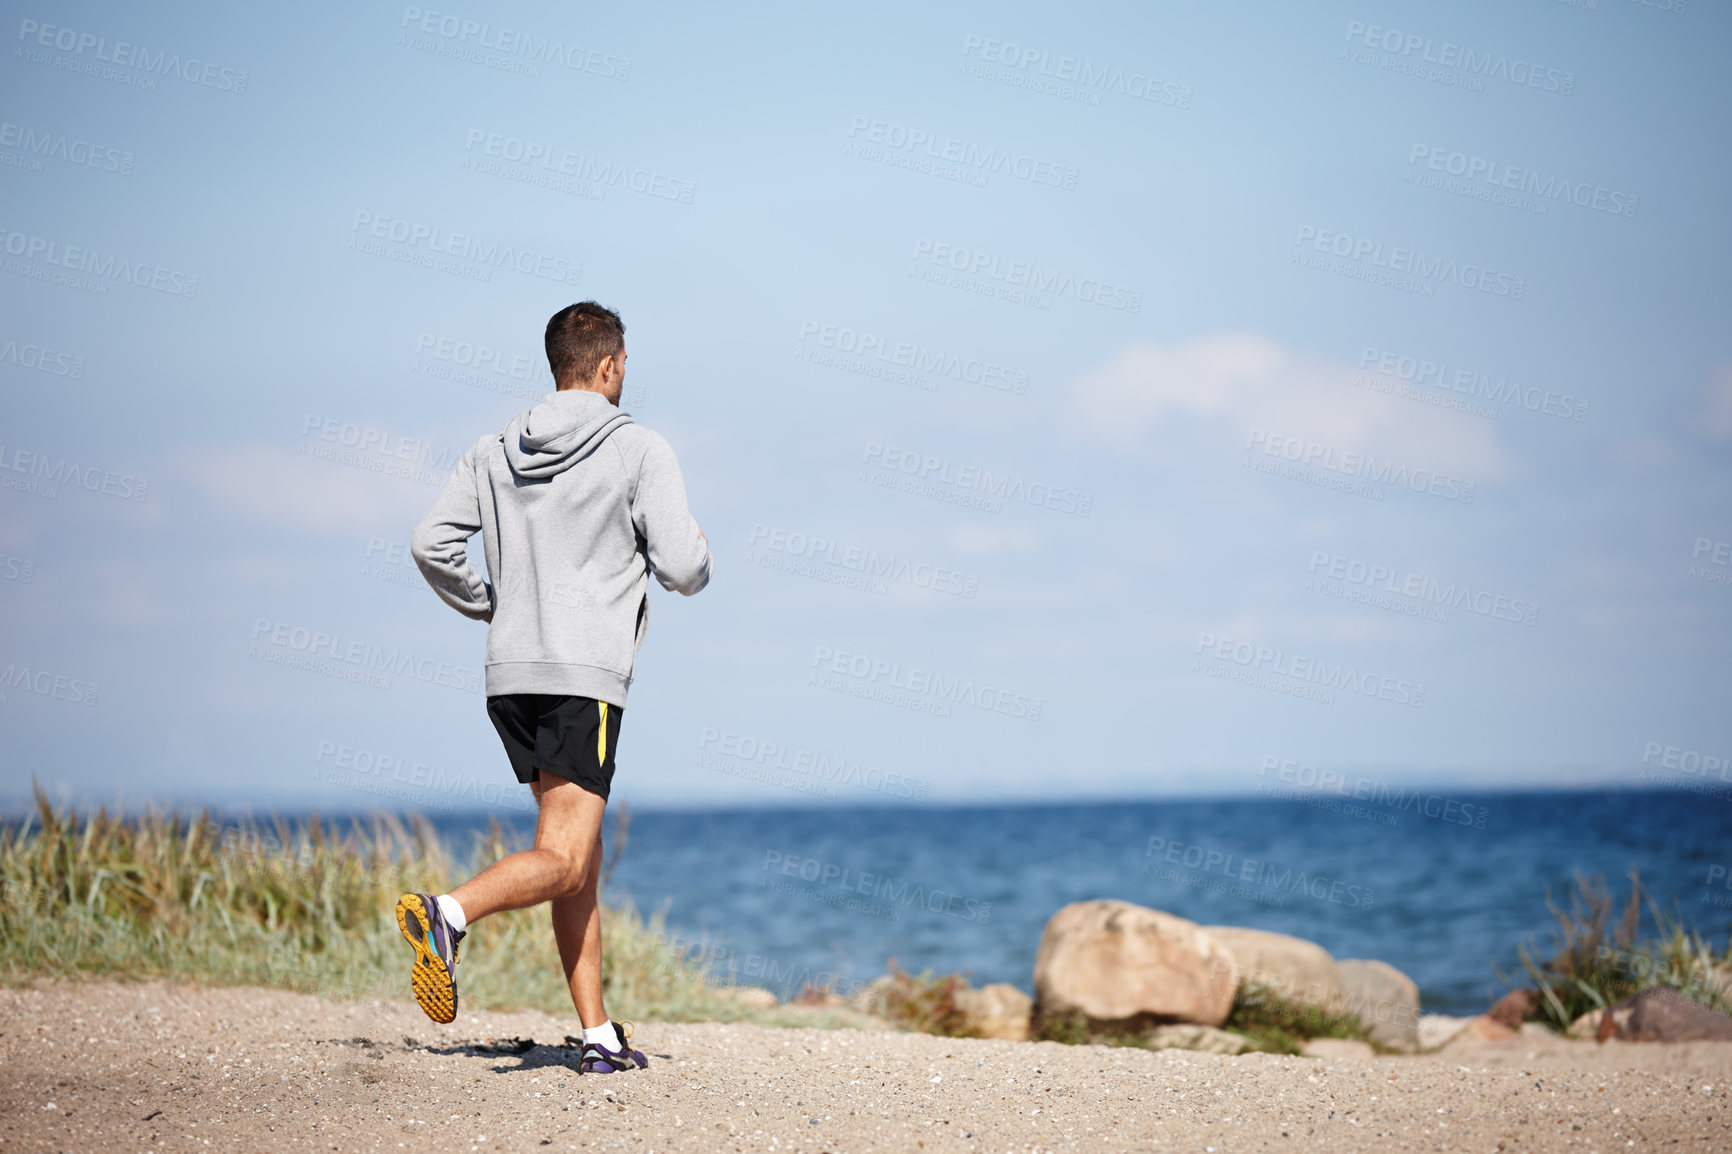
1448,810
382,768
1662,763
46,683
1264,874
1472,384
37,146
1360,466
1311,671
1428,591
1514,181
926,471
40,358
1686,760
866,564
876,887
552,161
376,450
970,158
363,656
1067,77
876,353
88,269
482,367
743,755
1022,282
527,48
1709,561
877,673
122,55
1454,63
1400,266
40,467
424,243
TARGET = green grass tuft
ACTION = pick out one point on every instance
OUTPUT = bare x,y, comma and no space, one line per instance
1280,1026
1599,956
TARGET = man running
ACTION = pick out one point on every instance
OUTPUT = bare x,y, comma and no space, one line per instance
576,506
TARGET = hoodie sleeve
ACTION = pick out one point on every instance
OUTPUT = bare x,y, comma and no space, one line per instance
678,554
438,544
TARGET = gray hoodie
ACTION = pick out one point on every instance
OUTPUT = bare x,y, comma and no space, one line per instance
576,506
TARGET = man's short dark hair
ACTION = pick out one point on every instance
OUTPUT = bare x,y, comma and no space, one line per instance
578,337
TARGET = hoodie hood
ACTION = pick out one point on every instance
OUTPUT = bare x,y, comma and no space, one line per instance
562,430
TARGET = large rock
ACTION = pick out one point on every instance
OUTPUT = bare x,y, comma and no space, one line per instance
1385,1000
1295,969
1111,961
997,1011
1663,1015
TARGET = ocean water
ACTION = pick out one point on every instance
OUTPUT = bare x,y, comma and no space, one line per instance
783,897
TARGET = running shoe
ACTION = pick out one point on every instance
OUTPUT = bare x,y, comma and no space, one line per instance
434,977
598,1059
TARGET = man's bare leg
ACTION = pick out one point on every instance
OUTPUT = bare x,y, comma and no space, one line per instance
567,844
577,929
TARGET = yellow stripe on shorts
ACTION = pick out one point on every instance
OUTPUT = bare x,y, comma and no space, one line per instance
601,739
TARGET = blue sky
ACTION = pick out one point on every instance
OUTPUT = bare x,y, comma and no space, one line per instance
1122,400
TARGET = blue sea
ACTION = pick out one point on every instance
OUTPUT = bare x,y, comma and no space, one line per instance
1445,889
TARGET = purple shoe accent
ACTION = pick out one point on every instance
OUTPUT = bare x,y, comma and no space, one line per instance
598,1059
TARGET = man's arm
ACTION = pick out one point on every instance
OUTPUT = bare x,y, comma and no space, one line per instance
679,555
438,544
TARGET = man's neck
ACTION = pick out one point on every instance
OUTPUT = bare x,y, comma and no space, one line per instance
587,389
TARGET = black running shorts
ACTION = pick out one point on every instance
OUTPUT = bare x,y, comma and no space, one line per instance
570,737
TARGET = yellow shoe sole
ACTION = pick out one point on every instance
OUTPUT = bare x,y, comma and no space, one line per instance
430,979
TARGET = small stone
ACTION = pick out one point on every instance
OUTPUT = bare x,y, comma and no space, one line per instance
1475,1031
997,1011
1436,1030
1516,1007
1206,1039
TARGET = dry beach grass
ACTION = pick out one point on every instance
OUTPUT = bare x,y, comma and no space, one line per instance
304,906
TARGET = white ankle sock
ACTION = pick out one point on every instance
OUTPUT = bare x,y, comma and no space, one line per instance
453,913
602,1035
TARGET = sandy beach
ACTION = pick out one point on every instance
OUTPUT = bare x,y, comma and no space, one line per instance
107,1065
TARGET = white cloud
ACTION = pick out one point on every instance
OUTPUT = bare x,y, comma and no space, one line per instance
1247,382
